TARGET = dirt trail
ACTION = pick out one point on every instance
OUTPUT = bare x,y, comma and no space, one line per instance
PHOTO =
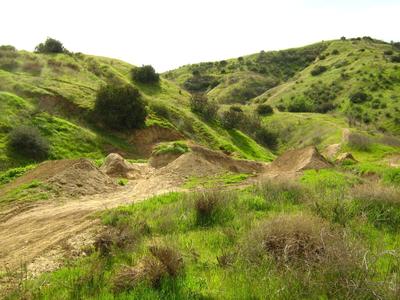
28,234
333,149
33,234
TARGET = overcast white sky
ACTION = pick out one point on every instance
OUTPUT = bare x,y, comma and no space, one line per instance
170,33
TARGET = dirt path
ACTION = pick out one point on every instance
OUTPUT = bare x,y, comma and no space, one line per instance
331,151
28,234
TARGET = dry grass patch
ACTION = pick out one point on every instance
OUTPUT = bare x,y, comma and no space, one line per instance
164,261
210,206
373,191
297,239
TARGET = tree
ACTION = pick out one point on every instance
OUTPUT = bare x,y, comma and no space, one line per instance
145,74
232,117
27,141
120,107
264,109
50,46
199,104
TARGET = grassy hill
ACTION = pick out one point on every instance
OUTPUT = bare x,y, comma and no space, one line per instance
326,77
317,234
56,93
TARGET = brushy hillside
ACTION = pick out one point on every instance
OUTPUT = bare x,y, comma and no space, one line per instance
56,93
359,78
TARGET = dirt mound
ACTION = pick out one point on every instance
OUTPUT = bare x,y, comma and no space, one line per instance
42,172
81,178
201,161
161,160
116,166
345,157
226,162
299,160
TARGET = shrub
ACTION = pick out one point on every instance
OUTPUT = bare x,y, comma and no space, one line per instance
335,52
103,244
396,59
359,142
210,206
264,109
145,74
380,204
8,64
198,83
388,52
266,137
50,46
120,107
296,240
359,97
28,141
165,261
33,67
169,257
200,104
231,118
299,105
318,70
160,109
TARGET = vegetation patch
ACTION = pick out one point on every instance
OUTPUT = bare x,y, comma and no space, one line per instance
176,147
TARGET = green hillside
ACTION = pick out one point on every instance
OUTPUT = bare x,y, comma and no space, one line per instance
359,78
56,93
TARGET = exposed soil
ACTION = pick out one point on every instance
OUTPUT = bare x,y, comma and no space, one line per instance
146,138
37,234
299,160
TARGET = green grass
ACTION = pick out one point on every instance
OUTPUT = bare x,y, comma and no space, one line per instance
220,255
28,192
177,147
215,181
11,174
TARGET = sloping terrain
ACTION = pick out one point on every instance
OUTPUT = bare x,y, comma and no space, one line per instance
272,218
56,93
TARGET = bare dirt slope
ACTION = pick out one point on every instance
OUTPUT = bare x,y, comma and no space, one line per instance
28,234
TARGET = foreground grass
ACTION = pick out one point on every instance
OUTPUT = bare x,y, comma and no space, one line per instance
275,241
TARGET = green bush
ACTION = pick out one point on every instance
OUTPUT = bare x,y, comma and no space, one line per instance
120,107
145,74
318,70
359,141
199,104
396,59
264,109
50,46
27,141
299,105
199,84
232,117
359,97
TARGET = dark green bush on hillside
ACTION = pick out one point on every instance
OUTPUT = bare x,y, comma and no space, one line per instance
318,70
264,109
396,59
120,107
232,117
27,141
359,97
200,84
145,74
50,46
199,104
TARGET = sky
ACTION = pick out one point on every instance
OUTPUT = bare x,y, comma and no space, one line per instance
171,33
